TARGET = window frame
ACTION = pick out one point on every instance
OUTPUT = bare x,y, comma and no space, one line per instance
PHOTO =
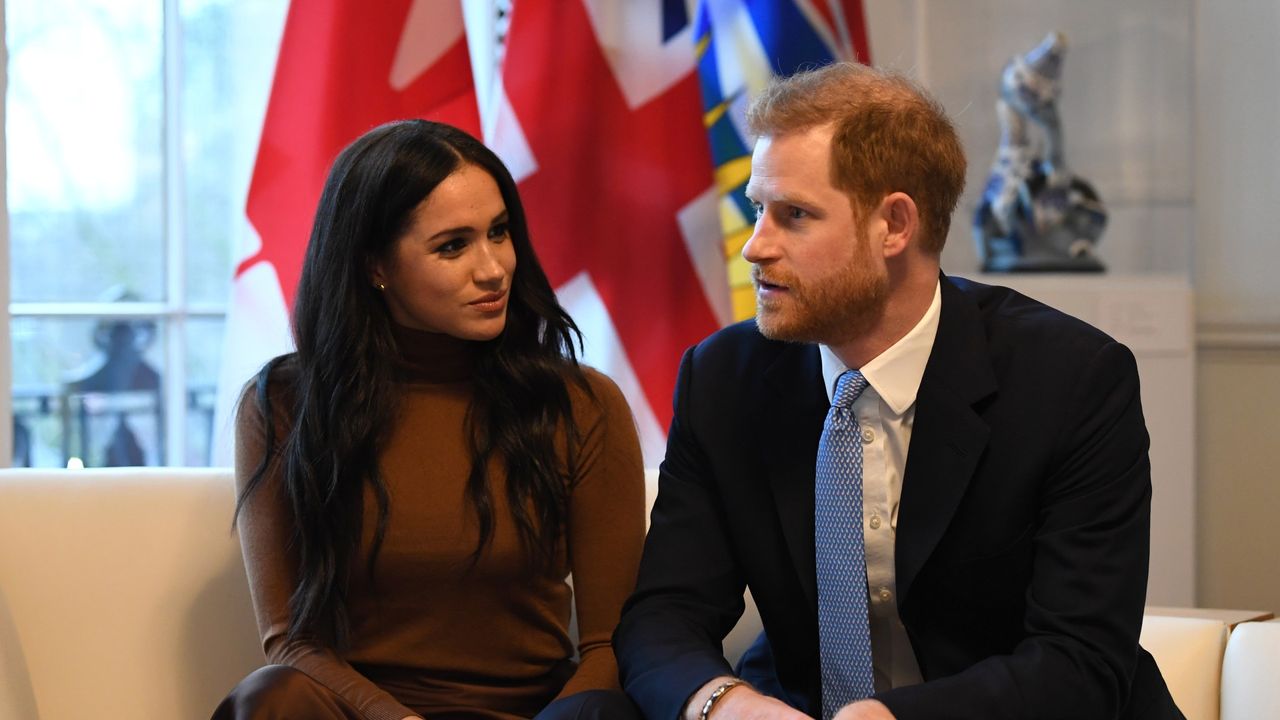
173,313
6,357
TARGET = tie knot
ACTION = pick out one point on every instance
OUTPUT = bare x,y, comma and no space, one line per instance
849,386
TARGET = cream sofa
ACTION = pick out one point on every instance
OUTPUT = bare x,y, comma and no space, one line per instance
1251,672
122,595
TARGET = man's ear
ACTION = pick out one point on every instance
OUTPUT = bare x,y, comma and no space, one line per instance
902,221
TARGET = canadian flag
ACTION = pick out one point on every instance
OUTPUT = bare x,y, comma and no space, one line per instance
344,67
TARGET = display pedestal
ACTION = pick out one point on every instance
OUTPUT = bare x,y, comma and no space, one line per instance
1153,315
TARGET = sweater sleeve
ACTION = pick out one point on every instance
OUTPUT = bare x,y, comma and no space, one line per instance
606,530
264,525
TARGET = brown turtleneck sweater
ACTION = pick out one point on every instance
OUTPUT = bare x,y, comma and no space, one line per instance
431,636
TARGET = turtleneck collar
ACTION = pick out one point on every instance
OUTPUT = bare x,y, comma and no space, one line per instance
428,357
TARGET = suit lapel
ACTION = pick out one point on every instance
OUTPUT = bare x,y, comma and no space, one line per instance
948,436
796,405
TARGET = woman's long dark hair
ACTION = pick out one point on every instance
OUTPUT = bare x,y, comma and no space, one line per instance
339,382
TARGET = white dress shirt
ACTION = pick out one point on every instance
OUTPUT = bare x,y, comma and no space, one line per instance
886,411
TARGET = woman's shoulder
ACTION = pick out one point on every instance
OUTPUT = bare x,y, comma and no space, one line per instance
264,416
272,388
601,398
602,388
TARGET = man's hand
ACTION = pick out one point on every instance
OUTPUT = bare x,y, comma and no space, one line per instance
864,710
740,703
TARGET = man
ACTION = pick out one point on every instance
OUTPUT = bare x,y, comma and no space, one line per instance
937,491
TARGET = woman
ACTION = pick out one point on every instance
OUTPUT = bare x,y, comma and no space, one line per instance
419,477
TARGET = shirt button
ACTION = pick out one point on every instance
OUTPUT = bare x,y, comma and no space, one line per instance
875,522
868,436
885,594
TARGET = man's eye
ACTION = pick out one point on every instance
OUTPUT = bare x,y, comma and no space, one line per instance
796,213
759,209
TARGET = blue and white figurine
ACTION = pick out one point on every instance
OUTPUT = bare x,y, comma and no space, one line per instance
1035,215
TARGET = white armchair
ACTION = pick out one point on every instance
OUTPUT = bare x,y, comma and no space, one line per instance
1251,672
1189,653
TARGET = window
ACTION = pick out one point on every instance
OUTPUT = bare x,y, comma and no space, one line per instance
131,130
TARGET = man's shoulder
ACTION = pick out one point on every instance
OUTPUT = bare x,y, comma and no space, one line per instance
738,336
739,348
1012,321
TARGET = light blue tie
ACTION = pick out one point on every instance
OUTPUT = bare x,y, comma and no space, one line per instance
844,636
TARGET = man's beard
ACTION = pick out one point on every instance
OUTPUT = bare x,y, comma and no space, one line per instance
832,311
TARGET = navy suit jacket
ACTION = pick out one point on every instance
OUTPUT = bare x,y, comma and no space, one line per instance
1023,530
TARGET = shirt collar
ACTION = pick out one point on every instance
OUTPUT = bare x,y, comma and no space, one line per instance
894,374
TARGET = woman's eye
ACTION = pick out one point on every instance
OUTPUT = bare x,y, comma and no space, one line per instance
501,230
451,247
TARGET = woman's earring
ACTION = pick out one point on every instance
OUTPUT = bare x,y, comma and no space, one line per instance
380,286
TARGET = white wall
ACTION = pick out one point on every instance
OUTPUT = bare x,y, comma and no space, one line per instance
1237,162
1238,393
1237,221
1126,106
